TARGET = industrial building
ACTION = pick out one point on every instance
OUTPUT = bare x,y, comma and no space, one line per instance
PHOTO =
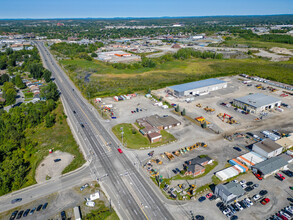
256,102
271,165
267,148
198,87
229,192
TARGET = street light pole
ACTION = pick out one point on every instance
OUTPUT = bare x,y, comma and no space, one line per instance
121,128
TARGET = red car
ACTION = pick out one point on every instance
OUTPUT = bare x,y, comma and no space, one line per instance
209,195
280,176
258,176
120,151
265,201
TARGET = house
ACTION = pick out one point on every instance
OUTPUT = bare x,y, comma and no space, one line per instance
267,148
196,165
154,137
176,46
271,165
229,192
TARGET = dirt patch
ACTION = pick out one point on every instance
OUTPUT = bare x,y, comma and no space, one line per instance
49,169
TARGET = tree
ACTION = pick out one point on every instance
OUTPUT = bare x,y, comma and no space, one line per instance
94,55
50,92
4,78
10,96
183,113
50,120
18,82
177,109
47,75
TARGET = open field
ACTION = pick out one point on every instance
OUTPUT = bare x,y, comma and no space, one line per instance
104,80
255,43
135,140
58,137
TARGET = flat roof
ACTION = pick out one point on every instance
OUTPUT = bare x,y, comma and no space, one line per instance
196,84
270,165
268,145
258,100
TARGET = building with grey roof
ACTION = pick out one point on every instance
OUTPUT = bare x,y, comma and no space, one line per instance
271,165
256,102
229,192
198,87
267,148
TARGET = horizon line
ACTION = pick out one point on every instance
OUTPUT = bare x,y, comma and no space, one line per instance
152,17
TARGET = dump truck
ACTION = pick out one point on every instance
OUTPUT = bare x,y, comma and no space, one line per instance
198,105
169,156
208,109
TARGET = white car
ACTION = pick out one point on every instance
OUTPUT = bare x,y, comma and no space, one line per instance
238,206
234,181
242,182
243,185
285,214
289,210
90,204
248,201
256,197
226,211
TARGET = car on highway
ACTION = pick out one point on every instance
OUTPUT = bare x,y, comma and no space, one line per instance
45,206
74,112
63,215
237,148
19,214
32,211
26,212
120,151
39,207
84,186
13,215
82,125
201,199
57,160
16,200
280,176
265,201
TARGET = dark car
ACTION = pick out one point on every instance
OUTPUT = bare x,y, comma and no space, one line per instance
26,212
199,217
201,199
234,217
19,214
263,192
39,207
16,200
219,204
45,206
63,215
249,183
243,204
237,148
57,160
213,197
289,173
248,189
13,215
82,125
32,211
74,112
174,171
177,170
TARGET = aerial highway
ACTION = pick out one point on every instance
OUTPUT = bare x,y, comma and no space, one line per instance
130,193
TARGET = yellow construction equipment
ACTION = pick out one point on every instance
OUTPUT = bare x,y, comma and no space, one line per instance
207,109
198,105
201,144
176,153
169,156
202,120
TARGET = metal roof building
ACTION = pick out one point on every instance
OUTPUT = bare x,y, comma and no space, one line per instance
256,102
198,87
271,165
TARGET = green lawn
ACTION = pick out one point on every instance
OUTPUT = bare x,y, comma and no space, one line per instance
135,140
58,137
101,213
108,81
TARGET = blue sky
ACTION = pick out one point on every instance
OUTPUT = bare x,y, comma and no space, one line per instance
139,8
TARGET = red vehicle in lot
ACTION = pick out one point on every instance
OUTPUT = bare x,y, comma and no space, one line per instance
258,176
120,151
280,176
265,201
209,195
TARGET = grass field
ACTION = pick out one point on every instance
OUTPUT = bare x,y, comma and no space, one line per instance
58,137
101,213
255,43
137,140
107,81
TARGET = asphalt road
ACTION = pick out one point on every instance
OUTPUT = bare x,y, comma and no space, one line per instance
130,193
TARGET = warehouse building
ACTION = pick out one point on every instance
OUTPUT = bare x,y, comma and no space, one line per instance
198,87
267,148
256,102
271,165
